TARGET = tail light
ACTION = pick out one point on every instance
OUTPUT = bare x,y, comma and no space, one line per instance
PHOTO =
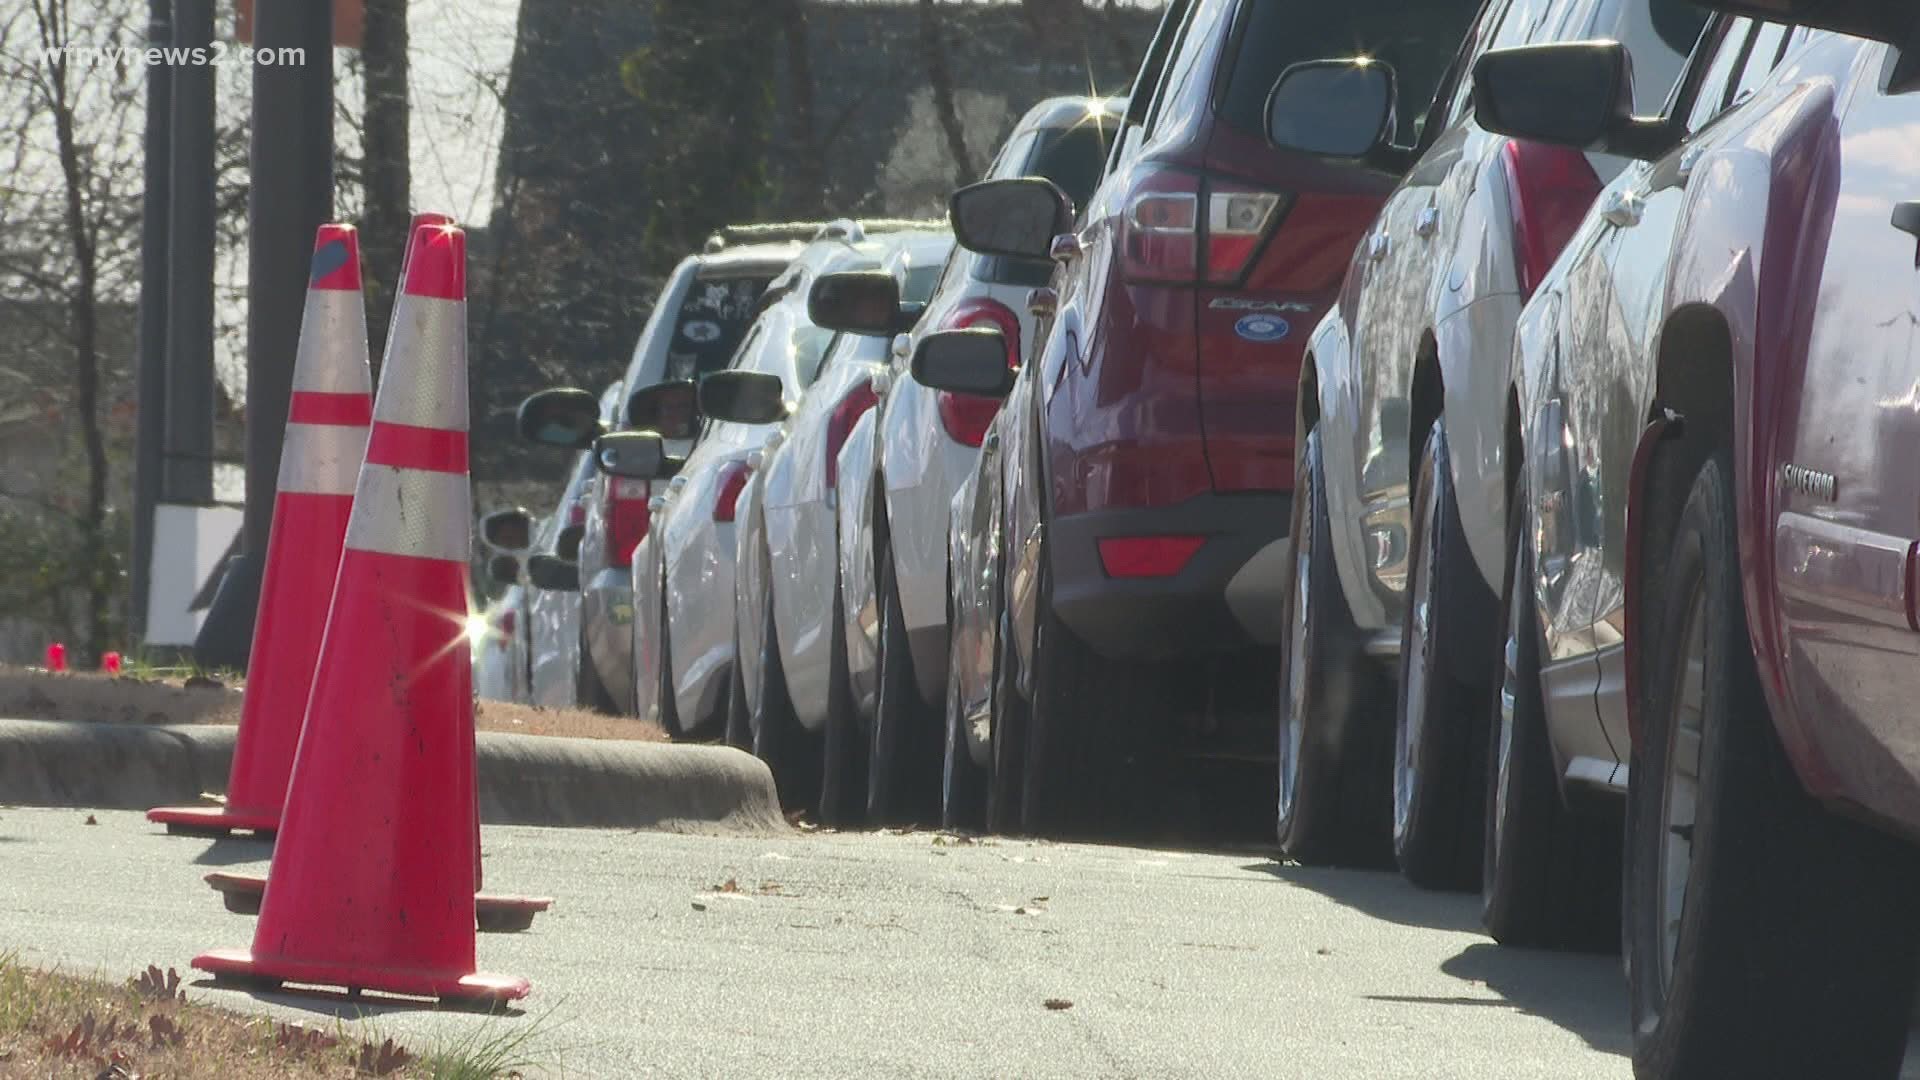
966,416
733,481
1183,228
505,623
627,519
577,512
1552,188
1148,556
840,425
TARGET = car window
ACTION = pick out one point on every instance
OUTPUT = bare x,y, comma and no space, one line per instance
1678,23
1185,59
810,344
919,283
1073,158
1768,43
1729,53
1275,37
714,316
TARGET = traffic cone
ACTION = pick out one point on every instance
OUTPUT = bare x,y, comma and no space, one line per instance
371,885
326,438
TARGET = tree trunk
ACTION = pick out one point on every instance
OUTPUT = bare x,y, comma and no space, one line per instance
387,171
83,334
805,194
934,44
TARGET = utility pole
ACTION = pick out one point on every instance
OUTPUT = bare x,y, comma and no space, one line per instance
150,381
291,157
187,471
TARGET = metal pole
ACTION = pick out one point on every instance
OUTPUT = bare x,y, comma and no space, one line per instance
291,159
150,385
188,470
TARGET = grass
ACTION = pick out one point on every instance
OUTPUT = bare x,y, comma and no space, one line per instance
60,1026
145,694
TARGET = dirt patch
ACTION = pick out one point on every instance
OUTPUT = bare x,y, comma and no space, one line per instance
30,694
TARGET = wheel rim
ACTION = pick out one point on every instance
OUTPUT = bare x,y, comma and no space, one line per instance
1413,713
1292,723
1679,804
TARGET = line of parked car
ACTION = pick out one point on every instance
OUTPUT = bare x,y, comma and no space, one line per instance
1512,444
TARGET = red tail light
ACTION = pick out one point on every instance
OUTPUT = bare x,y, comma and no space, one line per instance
1552,188
577,513
627,519
1183,228
840,425
733,481
1148,556
966,416
505,622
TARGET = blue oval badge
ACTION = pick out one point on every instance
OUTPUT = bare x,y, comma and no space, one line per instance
1263,328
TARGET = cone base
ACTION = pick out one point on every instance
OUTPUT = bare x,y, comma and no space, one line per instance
493,914
240,965
215,820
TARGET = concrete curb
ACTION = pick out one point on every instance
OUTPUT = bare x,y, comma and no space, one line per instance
523,779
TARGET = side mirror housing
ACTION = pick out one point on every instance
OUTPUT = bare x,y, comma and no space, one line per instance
566,546
567,418
504,569
1577,94
633,455
1017,218
1334,108
744,397
964,362
553,574
507,530
669,409
857,302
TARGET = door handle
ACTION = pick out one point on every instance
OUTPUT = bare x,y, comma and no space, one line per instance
1042,302
1378,246
1622,209
1427,223
1690,160
1066,248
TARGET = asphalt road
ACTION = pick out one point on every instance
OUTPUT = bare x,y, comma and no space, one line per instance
882,955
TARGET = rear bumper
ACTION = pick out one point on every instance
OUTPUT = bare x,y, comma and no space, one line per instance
1225,599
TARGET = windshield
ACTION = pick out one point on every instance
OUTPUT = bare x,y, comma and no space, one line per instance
714,316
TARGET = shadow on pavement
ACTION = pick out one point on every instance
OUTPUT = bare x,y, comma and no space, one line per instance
1583,994
346,1006
232,850
1382,895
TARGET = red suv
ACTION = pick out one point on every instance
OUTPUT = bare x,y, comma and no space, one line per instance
1122,547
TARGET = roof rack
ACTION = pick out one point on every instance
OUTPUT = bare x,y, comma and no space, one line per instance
762,233
854,232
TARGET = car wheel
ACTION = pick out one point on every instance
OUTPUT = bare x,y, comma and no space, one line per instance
791,753
1439,746
1009,712
1334,752
903,754
588,691
1766,936
669,704
963,783
843,762
739,733
1550,877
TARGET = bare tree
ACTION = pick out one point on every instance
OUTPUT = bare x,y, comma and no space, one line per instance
385,162
933,44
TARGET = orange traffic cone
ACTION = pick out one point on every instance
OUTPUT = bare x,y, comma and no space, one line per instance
326,438
372,879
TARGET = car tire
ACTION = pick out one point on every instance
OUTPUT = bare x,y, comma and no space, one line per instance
1550,877
1793,941
843,760
790,751
1335,750
1440,717
669,704
1010,713
963,782
904,751
739,730
588,692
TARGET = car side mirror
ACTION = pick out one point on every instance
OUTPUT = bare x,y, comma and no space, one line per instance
744,397
1577,94
1017,218
507,530
634,455
504,569
567,544
568,418
970,361
1334,108
669,409
553,574
865,302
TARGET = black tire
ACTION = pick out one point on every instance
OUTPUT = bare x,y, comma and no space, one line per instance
843,758
1010,713
1795,940
789,750
1336,808
1440,716
669,706
904,753
739,732
1550,878
588,691
963,784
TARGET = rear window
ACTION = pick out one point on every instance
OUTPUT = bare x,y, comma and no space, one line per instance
1074,158
1419,40
714,317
